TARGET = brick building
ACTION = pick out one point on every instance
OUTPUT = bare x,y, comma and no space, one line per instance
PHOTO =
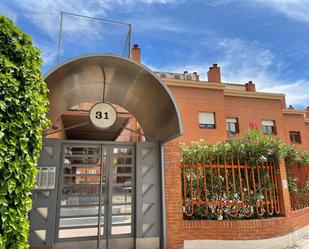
212,110
231,109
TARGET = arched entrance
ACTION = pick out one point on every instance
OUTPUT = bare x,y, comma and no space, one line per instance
128,84
132,171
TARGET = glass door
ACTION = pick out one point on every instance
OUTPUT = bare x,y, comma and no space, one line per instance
79,214
121,198
96,196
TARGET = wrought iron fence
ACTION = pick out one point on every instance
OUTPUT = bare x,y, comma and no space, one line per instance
226,187
298,181
299,201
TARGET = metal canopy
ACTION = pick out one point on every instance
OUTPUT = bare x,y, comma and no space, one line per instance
128,84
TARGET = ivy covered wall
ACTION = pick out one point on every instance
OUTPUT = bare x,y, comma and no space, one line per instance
23,108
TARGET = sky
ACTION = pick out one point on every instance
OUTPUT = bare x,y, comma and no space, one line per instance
266,41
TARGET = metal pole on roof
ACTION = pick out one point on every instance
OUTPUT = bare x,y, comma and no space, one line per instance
59,39
62,13
129,42
96,18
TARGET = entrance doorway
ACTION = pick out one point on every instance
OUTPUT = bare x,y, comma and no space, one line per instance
89,192
95,197
94,194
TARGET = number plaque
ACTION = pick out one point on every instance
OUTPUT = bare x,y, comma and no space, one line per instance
102,115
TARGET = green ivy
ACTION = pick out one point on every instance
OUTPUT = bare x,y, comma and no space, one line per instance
23,108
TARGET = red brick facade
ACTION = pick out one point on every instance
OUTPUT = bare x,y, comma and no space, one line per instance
249,108
179,229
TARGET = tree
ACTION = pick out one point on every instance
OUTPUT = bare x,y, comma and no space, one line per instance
23,109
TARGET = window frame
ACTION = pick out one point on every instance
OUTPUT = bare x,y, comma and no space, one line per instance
207,126
273,127
236,126
295,133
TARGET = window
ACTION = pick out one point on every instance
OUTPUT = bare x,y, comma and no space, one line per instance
207,119
232,126
295,137
269,127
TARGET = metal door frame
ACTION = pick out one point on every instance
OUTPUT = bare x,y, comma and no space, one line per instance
110,185
108,146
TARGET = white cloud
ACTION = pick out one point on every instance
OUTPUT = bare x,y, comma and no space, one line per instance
131,2
48,53
155,24
294,9
241,61
82,32
45,15
296,93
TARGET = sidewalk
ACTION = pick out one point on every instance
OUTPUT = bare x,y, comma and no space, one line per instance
298,239
302,243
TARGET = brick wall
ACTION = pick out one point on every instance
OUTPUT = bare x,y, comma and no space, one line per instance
251,110
179,229
235,230
296,123
302,173
299,218
173,196
190,102
248,110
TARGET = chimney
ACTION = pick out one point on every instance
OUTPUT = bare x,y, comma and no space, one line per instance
250,86
136,53
291,107
214,74
197,76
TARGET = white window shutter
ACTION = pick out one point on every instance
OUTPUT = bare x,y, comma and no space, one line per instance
231,120
206,118
267,123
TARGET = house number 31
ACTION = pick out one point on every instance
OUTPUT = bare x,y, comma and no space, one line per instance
102,115
99,115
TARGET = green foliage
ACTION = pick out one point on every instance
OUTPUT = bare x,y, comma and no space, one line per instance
23,108
292,155
292,184
235,186
253,147
299,191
